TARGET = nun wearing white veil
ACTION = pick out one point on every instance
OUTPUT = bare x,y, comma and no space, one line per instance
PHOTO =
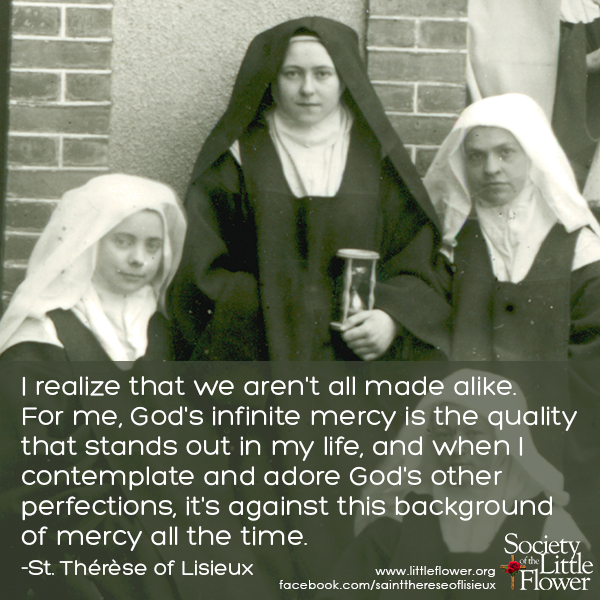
98,275
524,245
525,495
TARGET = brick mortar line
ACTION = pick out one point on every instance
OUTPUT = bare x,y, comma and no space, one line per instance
12,232
61,5
60,153
60,103
417,30
399,82
415,50
76,136
59,70
41,169
63,86
418,18
15,264
396,113
415,100
63,22
424,146
25,200
57,38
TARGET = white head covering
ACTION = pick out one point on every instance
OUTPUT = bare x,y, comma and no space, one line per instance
60,270
313,158
551,189
524,477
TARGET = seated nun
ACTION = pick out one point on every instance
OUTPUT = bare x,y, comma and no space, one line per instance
97,276
304,163
523,243
458,523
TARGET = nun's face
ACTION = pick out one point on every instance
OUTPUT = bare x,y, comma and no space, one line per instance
496,166
130,255
308,87
456,430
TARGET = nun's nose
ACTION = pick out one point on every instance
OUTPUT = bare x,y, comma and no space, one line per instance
308,85
492,163
137,256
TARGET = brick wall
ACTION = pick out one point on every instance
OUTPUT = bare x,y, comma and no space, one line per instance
59,114
417,55
61,97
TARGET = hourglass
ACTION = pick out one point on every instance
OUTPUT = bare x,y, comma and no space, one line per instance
358,290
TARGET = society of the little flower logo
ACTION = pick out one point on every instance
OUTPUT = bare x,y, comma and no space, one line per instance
548,565
511,568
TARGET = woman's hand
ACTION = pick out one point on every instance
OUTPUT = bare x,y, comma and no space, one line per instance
369,333
593,61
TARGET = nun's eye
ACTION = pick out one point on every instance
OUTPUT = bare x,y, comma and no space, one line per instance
122,241
323,73
475,158
154,245
291,73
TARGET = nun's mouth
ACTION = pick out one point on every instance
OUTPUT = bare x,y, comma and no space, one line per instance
497,186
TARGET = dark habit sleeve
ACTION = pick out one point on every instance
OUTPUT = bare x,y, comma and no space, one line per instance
214,299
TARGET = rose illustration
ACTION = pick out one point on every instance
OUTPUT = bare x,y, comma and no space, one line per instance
513,567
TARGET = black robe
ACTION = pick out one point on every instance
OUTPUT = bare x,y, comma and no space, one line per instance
576,114
80,344
259,270
553,314
418,541
81,357
277,279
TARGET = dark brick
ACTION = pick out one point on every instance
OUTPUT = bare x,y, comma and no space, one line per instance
85,153
12,276
424,158
395,33
415,66
441,99
396,97
44,184
93,88
19,247
33,151
28,216
60,119
419,8
33,20
34,86
442,34
422,130
45,54
89,22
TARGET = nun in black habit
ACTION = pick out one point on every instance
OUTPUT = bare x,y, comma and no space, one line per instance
305,162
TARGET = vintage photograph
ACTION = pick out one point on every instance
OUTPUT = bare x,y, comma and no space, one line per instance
365,188
454,141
